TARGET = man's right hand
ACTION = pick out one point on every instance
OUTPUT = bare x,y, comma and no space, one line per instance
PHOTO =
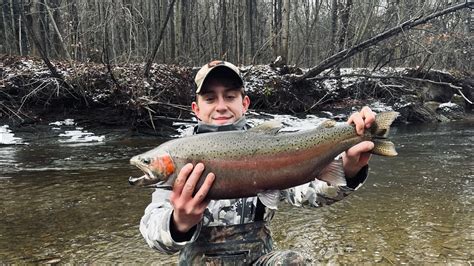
189,210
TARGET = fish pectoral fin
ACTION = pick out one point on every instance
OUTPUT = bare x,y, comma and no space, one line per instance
333,174
270,198
269,127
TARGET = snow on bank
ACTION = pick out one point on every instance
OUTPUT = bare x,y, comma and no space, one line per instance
290,123
65,122
75,134
7,137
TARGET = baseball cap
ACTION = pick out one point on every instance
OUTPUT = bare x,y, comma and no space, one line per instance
209,67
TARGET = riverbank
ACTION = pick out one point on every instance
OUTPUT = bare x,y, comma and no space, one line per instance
119,95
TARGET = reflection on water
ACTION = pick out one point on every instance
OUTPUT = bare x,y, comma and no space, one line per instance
72,203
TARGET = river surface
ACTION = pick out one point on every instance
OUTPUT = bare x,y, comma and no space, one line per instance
69,201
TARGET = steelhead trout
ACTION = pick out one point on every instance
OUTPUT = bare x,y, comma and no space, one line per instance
248,163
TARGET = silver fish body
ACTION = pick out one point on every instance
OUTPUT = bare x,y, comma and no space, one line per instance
247,163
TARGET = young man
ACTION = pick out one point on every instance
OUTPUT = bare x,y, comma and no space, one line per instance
230,231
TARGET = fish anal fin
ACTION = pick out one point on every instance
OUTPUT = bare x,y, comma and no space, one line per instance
270,198
333,174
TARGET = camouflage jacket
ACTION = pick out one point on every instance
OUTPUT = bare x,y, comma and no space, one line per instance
155,224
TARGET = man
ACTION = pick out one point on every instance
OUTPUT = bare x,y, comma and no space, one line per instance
233,231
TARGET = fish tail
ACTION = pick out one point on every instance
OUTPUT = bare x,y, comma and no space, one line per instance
383,147
380,130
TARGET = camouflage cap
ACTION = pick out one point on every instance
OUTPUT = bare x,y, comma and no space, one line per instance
207,68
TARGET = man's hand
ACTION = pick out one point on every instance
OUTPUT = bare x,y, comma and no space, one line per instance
189,210
358,156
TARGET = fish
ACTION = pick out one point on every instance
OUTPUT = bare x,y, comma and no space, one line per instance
261,161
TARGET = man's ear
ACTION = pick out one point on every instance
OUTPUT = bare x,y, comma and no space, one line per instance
246,103
195,108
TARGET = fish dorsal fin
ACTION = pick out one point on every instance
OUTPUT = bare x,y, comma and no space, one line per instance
327,124
268,127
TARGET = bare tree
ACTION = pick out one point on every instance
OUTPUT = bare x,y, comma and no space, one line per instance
346,53
244,32
158,41
26,16
285,31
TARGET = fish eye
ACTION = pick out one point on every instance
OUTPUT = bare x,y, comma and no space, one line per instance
146,160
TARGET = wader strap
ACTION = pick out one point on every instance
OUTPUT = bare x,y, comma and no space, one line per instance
228,245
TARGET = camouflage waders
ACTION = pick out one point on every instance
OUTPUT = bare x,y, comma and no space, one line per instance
243,244
228,245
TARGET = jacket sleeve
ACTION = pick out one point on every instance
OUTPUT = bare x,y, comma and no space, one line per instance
155,224
318,193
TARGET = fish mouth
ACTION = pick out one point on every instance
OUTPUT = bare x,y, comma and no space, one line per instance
143,181
146,180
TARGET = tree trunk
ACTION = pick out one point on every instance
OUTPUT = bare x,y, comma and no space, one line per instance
36,42
197,33
223,17
76,31
15,14
3,36
158,42
177,27
332,43
172,33
343,36
276,26
252,10
58,34
285,31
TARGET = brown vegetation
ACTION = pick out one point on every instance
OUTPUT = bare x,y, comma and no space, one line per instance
29,93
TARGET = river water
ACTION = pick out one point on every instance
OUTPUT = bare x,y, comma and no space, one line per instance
69,201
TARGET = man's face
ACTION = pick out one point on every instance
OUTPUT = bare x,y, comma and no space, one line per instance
220,105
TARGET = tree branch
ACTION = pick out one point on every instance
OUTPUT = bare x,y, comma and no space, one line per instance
458,88
158,43
346,53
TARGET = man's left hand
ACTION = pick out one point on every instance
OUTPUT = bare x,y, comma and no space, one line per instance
358,156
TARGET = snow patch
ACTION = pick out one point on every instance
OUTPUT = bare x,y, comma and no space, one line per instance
79,136
75,134
183,128
448,105
290,123
65,122
379,107
7,137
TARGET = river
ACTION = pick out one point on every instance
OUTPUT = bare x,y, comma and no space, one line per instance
69,202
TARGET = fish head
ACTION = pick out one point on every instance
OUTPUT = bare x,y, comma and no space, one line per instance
156,168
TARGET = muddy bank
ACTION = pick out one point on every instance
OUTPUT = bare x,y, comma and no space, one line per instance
120,96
